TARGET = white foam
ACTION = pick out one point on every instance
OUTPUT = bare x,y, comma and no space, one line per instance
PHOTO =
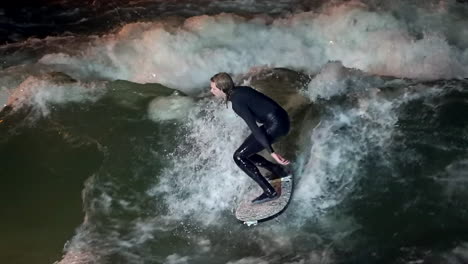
249,260
347,133
330,81
328,169
461,251
204,244
4,95
315,256
176,259
170,108
42,94
203,180
453,180
186,56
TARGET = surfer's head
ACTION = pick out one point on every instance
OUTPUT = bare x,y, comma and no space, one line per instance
222,85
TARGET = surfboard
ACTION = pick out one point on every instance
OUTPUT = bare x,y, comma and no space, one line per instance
251,214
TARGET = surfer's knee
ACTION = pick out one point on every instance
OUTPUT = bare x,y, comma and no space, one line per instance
238,157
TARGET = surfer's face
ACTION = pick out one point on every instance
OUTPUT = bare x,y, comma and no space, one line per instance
216,91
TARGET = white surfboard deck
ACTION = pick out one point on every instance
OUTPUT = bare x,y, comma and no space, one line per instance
251,214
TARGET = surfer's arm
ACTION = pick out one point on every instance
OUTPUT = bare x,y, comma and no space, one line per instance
258,132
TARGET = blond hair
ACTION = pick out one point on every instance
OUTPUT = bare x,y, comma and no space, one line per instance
225,83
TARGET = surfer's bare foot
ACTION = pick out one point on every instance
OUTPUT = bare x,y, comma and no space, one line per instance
265,197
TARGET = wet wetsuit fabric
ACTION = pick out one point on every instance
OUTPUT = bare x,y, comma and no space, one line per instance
253,107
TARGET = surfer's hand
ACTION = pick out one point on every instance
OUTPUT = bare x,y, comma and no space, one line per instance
280,159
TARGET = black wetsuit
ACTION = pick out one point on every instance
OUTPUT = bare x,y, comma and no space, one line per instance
254,107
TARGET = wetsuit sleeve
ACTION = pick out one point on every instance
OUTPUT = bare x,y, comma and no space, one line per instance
258,132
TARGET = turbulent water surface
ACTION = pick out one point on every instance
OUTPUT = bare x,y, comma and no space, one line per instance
113,151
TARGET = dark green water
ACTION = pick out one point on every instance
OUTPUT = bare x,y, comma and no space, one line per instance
42,179
147,199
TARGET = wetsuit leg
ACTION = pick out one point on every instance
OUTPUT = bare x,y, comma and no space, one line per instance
277,127
246,155
250,147
277,170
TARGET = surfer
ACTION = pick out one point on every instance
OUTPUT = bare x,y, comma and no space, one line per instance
253,107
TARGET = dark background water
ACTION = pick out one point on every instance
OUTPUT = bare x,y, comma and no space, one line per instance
23,19
20,20
42,176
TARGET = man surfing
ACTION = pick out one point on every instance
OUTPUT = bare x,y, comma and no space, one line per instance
253,107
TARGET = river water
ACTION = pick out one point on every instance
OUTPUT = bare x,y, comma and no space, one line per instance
113,151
